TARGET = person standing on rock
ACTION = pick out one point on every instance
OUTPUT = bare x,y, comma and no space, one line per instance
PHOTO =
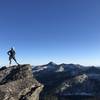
11,54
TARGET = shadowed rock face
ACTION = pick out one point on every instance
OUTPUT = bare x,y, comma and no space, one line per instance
18,83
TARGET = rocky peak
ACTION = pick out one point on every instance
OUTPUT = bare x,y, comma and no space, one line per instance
51,64
18,83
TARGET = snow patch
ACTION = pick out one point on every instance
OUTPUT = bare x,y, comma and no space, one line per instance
61,69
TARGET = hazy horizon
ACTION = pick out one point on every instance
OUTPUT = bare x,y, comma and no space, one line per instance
62,31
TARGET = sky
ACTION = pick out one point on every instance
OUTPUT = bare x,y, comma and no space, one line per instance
62,31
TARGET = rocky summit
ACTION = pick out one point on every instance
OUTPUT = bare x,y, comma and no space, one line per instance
18,83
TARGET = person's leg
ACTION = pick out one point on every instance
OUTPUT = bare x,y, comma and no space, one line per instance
9,61
15,61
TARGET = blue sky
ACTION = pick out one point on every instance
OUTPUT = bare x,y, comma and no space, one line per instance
62,31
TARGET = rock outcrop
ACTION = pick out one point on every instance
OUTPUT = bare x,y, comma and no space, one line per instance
18,83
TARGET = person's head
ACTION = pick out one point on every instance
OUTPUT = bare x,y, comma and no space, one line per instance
12,48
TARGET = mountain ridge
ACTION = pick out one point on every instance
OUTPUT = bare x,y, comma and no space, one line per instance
68,80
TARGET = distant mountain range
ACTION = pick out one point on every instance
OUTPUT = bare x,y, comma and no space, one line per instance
68,79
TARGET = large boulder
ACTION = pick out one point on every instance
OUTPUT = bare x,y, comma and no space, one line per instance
18,83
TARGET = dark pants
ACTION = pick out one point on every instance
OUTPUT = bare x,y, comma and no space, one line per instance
10,60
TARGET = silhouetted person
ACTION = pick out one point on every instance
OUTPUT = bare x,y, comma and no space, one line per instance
11,54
